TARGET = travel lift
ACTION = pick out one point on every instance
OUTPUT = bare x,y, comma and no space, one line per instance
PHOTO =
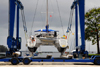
14,44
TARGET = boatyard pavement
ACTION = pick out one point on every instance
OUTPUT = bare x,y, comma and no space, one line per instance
49,64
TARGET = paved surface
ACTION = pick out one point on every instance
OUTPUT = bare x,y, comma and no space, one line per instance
49,64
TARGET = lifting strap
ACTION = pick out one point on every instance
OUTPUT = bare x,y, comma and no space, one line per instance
24,24
70,21
70,24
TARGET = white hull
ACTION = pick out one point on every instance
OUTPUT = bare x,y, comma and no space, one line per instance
60,44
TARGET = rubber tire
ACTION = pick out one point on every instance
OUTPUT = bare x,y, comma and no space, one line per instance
97,61
26,61
14,61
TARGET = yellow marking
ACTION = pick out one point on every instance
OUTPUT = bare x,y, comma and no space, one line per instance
63,45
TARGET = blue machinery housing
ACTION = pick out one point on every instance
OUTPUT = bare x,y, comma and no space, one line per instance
14,44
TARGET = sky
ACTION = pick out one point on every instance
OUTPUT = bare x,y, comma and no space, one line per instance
40,19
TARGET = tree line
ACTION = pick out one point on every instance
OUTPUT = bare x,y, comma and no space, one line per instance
3,48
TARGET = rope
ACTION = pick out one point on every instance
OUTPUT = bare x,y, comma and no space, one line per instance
23,20
24,24
69,28
60,17
42,15
53,11
34,17
70,20
72,46
70,24
69,35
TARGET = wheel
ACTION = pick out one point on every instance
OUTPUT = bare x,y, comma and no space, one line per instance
26,61
97,61
14,61
75,55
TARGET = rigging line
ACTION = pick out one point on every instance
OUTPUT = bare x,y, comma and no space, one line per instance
42,19
34,16
52,9
60,17
41,14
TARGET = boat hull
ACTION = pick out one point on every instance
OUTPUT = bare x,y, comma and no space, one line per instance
33,49
60,49
60,44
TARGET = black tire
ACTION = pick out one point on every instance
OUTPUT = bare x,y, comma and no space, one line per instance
26,61
75,55
97,61
14,61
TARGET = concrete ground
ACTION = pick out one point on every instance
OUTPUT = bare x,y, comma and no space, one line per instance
49,64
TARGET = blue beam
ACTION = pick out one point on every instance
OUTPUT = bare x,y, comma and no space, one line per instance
82,23
61,60
76,25
17,29
19,6
14,44
51,60
11,17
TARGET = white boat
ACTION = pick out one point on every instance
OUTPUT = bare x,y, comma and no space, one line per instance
47,37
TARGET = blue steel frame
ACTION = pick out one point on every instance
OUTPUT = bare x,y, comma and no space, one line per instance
50,60
76,26
14,44
82,24
62,60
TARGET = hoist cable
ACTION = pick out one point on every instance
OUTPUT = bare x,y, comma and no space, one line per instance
60,17
69,27
70,24
23,20
24,24
70,20
34,16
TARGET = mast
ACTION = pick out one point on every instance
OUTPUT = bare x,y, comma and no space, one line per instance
47,25
47,12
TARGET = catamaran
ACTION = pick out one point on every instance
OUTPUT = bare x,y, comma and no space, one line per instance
47,37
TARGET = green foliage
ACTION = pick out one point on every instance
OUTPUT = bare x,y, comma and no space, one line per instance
3,48
94,54
92,22
89,55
